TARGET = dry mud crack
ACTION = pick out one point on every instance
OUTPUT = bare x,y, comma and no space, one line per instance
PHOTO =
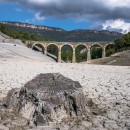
106,90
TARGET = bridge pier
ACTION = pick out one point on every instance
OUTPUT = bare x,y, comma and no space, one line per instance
89,54
104,52
59,55
45,51
73,57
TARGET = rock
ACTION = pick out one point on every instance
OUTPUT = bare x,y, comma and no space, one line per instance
111,125
86,124
48,98
2,127
10,120
31,124
16,128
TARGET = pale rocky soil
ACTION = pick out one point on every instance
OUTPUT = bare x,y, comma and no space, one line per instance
13,51
107,86
3,37
118,59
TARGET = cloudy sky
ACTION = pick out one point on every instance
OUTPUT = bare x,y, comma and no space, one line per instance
69,14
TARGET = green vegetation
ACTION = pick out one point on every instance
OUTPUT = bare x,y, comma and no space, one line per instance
110,50
67,56
53,50
80,57
22,35
67,36
66,53
123,43
96,52
81,53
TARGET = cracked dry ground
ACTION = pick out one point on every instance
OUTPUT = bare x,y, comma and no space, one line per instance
107,86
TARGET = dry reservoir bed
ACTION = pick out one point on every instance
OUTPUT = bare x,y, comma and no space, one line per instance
107,86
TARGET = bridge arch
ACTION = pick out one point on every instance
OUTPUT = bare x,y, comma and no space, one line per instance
37,46
96,44
109,49
96,51
73,46
81,44
55,44
67,52
67,45
52,50
81,51
112,44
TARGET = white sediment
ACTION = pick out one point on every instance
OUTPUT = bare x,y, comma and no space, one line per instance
105,85
19,52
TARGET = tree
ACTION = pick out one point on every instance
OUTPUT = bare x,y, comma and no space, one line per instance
16,34
25,36
33,37
127,39
67,55
119,43
96,52
3,28
110,51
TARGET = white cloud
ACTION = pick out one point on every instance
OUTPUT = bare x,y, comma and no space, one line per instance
86,9
116,3
117,25
44,1
83,10
38,17
110,3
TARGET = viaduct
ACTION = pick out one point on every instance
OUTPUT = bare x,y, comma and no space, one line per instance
59,45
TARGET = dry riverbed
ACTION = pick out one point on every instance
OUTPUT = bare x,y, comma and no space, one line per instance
107,86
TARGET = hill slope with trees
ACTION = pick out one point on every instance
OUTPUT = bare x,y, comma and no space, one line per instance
18,34
61,35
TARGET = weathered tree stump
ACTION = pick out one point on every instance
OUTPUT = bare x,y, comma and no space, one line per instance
48,98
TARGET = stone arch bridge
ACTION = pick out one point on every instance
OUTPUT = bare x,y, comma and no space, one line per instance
73,45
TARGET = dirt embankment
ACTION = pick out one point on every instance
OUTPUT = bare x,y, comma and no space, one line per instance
119,59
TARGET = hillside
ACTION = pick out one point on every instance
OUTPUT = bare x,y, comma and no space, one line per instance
14,49
58,34
118,59
3,36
